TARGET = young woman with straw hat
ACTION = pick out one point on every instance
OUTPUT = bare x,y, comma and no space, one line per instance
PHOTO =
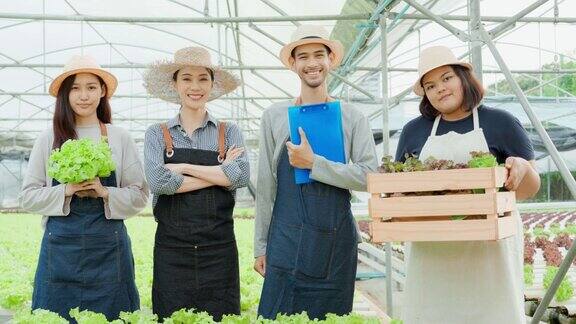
465,282
85,258
194,164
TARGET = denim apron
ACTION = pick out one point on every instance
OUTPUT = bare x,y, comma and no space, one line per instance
86,261
312,249
195,253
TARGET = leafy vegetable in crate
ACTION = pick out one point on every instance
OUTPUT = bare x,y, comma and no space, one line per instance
412,163
482,160
432,163
390,166
79,160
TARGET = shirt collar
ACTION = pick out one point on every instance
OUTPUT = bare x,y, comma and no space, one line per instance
175,121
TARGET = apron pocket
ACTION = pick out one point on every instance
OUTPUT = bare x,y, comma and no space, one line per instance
86,259
175,268
102,255
315,252
282,246
64,258
218,267
196,209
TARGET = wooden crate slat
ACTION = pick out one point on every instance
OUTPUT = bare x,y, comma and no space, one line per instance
507,226
466,230
441,205
506,201
459,179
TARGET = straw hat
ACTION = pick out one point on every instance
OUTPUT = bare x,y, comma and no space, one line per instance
431,58
158,78
84,64
311,34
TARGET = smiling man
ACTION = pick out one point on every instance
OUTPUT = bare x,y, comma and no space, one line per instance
306,238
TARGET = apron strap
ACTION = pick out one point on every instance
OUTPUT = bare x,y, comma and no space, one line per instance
167,140
103,132
221,141
475,118
435,126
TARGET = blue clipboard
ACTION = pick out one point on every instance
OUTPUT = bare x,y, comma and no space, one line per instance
322,124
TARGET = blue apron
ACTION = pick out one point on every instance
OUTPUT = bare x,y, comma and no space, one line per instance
86,261
312,249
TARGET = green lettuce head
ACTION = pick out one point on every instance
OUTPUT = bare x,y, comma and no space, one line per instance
80,160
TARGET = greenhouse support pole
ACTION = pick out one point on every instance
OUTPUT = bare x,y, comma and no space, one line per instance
386,145
475,44
462,35
279,68
384,83
267,19
510,22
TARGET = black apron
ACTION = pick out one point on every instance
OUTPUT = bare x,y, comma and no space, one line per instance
86,261
195,253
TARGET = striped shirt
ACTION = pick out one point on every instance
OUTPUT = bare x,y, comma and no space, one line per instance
165,182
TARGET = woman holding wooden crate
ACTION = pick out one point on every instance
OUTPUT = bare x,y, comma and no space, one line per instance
470,281
86,257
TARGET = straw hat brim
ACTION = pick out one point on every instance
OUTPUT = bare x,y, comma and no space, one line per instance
417,87
159,83
109,79
335,46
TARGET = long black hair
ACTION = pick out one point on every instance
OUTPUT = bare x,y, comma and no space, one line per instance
64,120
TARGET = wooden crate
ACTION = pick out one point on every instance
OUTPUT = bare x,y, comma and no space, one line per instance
428,217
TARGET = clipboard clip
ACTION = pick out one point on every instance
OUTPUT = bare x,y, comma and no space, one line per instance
304,109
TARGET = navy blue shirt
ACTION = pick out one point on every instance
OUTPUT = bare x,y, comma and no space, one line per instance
505,135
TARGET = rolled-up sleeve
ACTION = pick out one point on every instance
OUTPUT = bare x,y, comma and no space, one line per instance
131,195
238,170
161,180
